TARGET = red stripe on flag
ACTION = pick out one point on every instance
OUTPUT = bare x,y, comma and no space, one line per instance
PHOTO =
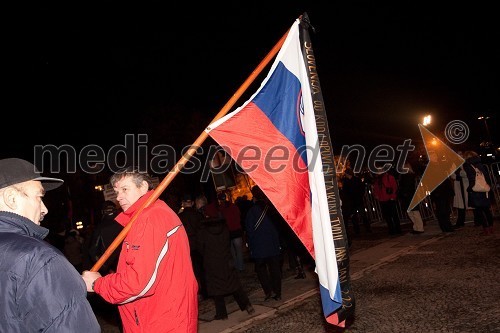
282,177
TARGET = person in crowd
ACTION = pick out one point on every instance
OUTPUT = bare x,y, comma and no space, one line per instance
480,201
101,238
461,198
442,196
353,208
385,189
223,207
201,203
73,249
192,220
264,244
406,190
221,277
154,284
57,234
291,246
244,204
41,291
103,235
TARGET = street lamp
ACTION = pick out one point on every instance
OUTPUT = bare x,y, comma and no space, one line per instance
485,118
427,120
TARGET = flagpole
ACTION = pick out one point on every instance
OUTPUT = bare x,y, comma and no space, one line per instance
189,153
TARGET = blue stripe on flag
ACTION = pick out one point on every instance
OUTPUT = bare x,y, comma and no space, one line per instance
280,100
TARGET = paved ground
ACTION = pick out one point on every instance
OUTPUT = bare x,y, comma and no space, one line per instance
432,282
445,283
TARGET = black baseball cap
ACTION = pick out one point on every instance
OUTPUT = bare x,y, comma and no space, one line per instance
15,171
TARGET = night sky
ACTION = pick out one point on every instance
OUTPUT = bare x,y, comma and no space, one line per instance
81,74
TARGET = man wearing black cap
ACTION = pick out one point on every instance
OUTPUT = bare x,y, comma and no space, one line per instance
41,291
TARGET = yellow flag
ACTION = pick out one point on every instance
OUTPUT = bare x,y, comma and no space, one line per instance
443,161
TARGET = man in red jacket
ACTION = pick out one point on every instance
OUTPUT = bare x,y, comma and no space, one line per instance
385,188
154,284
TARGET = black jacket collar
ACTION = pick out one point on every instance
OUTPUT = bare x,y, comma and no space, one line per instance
12,222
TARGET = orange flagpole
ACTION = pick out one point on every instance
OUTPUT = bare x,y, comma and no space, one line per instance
188,154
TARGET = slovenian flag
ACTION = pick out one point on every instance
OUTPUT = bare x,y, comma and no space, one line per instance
274,138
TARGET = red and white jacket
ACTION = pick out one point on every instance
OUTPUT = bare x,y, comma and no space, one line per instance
154,284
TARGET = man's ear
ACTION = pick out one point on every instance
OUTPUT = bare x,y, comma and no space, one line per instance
9,197
144,186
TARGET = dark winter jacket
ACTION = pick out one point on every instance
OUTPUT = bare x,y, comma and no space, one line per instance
40,291
264,239
406,190
214,244
191,218
354,190
444,191
102,237
477,199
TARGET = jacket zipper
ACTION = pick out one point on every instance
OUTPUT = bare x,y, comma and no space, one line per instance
136,317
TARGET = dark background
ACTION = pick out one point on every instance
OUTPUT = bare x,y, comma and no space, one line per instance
83,73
